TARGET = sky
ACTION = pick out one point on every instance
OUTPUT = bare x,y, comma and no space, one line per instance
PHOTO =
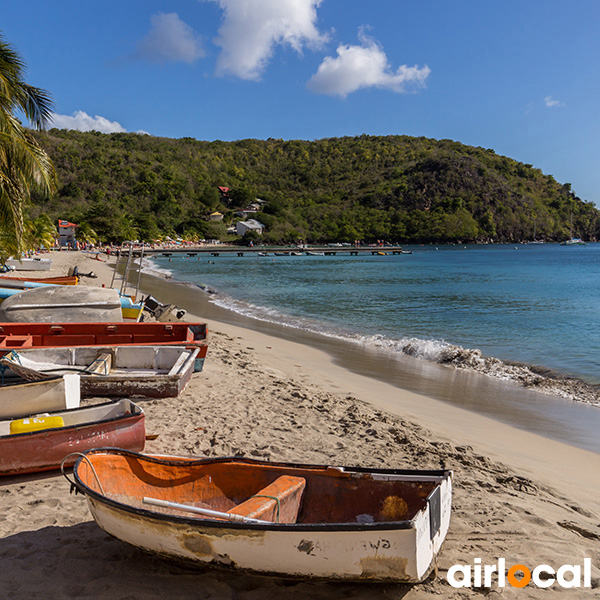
521,77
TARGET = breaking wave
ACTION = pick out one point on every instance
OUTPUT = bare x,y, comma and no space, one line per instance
436,351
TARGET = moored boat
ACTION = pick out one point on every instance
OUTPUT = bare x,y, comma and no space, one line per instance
150,371
59,335
41,442
281,519
23,399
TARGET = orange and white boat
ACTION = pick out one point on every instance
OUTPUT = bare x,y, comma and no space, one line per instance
307,521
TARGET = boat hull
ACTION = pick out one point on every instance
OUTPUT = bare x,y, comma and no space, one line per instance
25,399
16,336
149,371
30,264
383,551
120,424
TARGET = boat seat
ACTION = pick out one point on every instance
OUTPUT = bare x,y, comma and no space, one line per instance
101,366
16,341
279,502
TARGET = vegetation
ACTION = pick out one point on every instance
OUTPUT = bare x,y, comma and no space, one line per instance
394,188
24,166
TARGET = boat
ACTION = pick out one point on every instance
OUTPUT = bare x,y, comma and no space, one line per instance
313,253
17,336
63,280
263,254
56,303
281,253
29,264
149,371
22,399
573,242
334,523
41,442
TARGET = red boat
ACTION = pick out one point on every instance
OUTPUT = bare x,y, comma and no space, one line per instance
41,442
56,335
65,280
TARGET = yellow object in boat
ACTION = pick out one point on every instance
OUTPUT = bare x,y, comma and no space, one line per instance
35,424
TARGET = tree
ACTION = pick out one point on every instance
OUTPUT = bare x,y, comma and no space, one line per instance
85,234
23,164
40,233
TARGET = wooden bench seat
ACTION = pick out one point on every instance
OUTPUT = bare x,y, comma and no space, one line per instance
288,491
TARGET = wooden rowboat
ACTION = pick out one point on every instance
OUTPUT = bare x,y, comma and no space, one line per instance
272,518
150,371
65,280
29,264
24,399
43,303
17,336
41,442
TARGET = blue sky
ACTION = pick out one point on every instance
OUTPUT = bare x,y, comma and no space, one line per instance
519,76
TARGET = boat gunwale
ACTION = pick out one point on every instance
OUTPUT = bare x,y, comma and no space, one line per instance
441,474
138,413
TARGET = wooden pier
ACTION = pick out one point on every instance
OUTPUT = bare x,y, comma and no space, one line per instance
272,251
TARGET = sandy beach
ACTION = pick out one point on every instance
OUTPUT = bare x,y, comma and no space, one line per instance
518,496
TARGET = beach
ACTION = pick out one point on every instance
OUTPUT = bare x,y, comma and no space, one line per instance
518,496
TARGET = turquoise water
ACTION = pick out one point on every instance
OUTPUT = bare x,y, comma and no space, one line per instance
532,304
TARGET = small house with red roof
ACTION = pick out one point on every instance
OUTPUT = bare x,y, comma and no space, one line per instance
66,233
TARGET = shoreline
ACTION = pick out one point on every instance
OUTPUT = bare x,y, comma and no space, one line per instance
539,411
517,495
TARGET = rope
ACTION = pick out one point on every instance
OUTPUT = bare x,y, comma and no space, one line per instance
73,485
272,498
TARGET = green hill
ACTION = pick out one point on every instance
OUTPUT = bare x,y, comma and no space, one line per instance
396,188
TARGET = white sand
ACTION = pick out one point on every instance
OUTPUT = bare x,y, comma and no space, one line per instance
518,496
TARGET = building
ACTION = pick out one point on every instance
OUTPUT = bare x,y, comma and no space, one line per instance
66,233
216,216
242,227
245,213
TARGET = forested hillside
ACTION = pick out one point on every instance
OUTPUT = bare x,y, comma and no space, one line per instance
397,188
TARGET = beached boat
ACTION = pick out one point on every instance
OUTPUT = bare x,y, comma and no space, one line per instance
15,336
41,442
61,304
150,371
64,280
272,518
22,399
29,264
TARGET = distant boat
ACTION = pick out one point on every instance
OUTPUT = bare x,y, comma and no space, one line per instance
41,442
149,371
573,242
312,253
307,521
24,399
29,264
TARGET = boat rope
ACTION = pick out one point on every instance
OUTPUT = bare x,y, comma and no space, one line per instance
74,487
272,498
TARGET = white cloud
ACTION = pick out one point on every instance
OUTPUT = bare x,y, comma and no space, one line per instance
551,103
364,66
169,40
252,28
81,121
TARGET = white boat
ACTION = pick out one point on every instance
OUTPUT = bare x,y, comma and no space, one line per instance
282,519
23,399
150,371
573,242
29,264
62,304
313,253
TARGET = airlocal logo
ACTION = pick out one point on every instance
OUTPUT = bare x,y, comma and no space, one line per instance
518,576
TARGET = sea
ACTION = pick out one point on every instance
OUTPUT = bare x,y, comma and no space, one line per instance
523,317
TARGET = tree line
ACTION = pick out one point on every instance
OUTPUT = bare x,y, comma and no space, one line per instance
395,188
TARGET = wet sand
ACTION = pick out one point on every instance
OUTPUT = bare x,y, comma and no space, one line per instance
517,495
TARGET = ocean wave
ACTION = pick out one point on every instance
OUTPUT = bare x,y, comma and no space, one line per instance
151,268
435,351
